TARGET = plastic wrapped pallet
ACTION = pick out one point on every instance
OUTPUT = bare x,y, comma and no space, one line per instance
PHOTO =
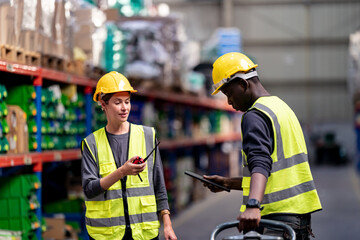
154,51
90,33
7,20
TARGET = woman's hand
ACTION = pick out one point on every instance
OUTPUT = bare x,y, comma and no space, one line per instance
169,233
130,168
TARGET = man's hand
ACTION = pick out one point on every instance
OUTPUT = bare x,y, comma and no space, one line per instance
249,220
217,179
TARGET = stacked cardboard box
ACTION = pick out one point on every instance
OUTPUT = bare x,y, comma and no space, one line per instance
30,28
18,130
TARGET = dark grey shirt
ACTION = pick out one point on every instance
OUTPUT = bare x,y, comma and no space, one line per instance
119,147
258,140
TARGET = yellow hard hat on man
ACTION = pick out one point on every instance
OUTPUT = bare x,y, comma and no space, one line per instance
230,66
110,83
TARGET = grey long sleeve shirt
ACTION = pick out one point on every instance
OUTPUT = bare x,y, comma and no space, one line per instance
258,141
119,146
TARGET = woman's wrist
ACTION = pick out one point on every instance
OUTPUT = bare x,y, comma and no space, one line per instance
164,212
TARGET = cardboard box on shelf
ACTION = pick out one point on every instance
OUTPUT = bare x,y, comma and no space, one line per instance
112,14
55,228
18,136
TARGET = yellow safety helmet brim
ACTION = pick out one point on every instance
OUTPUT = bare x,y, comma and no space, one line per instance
110,83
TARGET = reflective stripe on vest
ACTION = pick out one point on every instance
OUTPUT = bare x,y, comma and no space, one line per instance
290,187
105,216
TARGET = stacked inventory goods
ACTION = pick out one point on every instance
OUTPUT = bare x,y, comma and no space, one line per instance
48,116
99,118
4,128
114,49
18,135
24,96
128,8
153,53
223,40
69,122
31,28
89,25
18,203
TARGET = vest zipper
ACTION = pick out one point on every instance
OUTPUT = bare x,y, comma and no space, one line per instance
126,207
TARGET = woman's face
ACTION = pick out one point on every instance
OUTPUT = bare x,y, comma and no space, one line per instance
118,107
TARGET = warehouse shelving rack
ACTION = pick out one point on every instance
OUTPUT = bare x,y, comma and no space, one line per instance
36,159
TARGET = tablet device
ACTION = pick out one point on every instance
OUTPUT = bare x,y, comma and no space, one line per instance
201,178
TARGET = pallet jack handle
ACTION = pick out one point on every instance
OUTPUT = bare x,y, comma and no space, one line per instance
263,222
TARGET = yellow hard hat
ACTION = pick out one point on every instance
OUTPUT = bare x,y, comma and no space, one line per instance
227,65
110,83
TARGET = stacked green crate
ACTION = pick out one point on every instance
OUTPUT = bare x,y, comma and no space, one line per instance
69,125
4,128
65,206
99,118
48,118
18,203
80,124
24,96
70,130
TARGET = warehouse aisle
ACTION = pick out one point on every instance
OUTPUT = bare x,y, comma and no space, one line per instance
339,190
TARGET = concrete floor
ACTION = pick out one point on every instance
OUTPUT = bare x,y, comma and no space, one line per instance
339,190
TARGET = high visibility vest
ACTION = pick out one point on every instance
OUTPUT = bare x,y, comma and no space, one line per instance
290,187
105,213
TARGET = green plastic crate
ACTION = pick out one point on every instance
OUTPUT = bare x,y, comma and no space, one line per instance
65,206
19,186
29,236
17,206
24,224
23,96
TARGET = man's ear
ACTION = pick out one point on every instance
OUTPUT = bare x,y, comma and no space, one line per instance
244,84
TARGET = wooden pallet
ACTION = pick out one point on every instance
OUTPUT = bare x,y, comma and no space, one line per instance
53,62
12,54
32,58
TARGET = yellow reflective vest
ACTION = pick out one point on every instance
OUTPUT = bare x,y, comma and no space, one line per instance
135,200
290,187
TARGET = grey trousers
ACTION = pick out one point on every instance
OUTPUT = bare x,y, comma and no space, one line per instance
300,223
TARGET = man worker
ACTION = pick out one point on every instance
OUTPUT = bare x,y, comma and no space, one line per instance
277,182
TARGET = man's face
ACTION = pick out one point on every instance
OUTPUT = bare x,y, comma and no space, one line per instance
237,95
